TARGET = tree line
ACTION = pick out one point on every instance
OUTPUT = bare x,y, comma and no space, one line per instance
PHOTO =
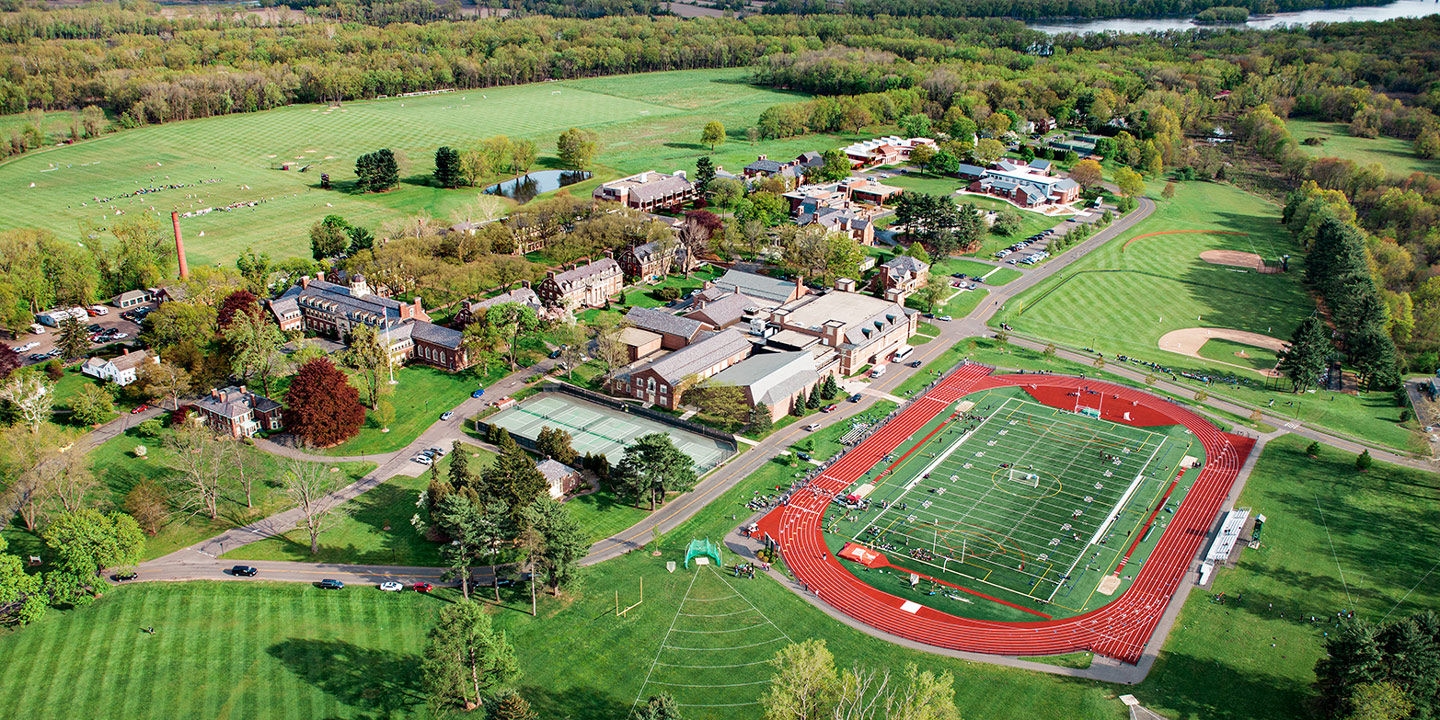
1046,9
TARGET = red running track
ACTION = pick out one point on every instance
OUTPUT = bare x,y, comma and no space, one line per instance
1118,630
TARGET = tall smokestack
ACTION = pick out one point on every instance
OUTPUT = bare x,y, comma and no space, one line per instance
179,246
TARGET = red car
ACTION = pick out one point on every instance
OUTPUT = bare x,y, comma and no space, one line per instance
827,408
140,409
423,587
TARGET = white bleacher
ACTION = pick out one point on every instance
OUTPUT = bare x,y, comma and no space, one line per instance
1224,542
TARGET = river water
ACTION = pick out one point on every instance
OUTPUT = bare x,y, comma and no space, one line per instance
1399,9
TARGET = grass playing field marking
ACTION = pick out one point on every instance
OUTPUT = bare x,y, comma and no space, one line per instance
975,514
697,658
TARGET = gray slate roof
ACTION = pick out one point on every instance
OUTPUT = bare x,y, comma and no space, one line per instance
587,273
760,287
901,265
436,334
662,322
725,310
698,356
771,377
666,185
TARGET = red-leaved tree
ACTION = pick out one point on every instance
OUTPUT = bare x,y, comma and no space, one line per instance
9,361
322,408
236,302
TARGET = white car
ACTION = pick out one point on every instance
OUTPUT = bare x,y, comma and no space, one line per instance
27,346
99,310
391,586
422,459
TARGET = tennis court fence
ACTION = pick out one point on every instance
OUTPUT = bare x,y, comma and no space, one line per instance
612,403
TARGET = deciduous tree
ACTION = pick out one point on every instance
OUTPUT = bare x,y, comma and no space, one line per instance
30,397
256,344
576,148
369,354
92,405
563,542
306,484
164,381
322,408
713,134
1087,172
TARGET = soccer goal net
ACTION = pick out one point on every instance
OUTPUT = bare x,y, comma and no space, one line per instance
1026,477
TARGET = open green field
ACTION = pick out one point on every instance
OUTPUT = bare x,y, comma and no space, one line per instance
1121,300
1395,155
421,394
647,121
358,533
1334,539
117,469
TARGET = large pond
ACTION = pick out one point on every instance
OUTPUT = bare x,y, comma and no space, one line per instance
524,188
1400,9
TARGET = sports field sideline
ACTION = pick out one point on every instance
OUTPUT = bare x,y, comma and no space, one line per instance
1008,496
598,429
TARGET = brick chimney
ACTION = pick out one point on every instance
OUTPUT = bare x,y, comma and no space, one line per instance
304,281
800,284
215,393
179,246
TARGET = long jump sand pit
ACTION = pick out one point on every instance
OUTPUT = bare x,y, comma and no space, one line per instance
1188,341
1234,258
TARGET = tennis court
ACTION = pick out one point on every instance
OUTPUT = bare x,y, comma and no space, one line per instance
599,429
1014,495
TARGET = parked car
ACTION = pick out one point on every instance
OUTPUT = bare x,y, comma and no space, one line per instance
855,397
391,586
812,427
243,571
803,456
436,452
329,584
422,459
27,346
142,407
447,415
423,587
99,310
477,393
946,318
124,575
555,353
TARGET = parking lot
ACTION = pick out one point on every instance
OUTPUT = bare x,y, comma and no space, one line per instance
112,328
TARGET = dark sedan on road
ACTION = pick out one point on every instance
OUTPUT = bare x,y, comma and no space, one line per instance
124,575
329,584
243,571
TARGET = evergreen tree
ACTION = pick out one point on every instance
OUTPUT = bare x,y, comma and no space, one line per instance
73,341
658,707
1305,359
459,466
797,405
563,542
831,388
447,167
1352,657
704,175
1363,461
510,706
436,491
814,400
652,467
513,479
466,661
377,171
1414,662
760,421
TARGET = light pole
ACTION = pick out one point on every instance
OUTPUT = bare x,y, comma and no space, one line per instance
389,360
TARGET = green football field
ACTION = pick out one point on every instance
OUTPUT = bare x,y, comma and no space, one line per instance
649,121
1014,499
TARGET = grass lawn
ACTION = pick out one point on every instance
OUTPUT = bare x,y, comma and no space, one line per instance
1395,155
602,514
1002,276
358,534
117,470
422,394
1030,222
645,121
1230,351
1334,539
646,295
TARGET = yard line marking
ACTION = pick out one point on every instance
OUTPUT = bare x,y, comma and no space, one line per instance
717,667
662,642
1341,570
731,647
753,682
